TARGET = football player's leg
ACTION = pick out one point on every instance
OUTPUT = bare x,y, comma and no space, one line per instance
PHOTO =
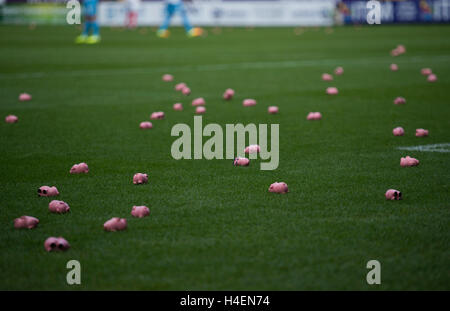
162,31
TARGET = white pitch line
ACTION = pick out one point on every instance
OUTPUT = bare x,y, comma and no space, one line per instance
444,147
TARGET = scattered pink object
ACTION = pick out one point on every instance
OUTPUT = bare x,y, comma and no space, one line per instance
79,168
11,119
140,211
421,133
146,125
339,71
167,78
314,116
46,191
241,162
56,244
432,78
408,161
399,101
200,110
332,90
24,97
229,93
252,149
272,109
199,102
158,115
400,49
249,102
393,194
27,222
279,187
327,77
398,131
140,178
394,67
426,71
59,207
186,91
178,107
180,86
115,224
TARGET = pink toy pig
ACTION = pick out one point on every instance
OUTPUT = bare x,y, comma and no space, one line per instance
46,191
59,207
24,97
279,187
392,194
327,77
252,149
186,91
339,71
27,222
432,78
140,211
200,110
408,161
249,102
314,116
399,101
394,67
115,224
56,244
421,132
146,125
426,71
199,102
241,162
11,119
178,107
158,115
229,93
79,168
140,178
167,78
398,131
180,86
272,109
332,90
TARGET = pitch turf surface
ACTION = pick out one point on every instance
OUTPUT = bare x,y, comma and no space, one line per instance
212,225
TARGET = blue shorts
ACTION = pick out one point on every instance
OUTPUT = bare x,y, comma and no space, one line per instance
90,7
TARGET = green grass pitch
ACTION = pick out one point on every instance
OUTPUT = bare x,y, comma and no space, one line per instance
214,226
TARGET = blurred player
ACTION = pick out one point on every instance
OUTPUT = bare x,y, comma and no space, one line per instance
132,12
90,23
172,7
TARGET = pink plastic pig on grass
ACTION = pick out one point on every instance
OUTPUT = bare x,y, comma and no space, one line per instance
398,131
200,110
178,107
279,187
27,222
46,191
393,194
140,178
24,97
432,78
252,149
11,119
180,86
228,94
158,115
56,244
115,224
59,207
79,168
140,211
186,91
399,101
332,90
167,78
339,71
394,67
327,77
408,161
249,102
199,102
426,71
241,162
146,125
421,133
314,116
272,110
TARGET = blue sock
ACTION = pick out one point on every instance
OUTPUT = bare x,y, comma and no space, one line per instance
187,25
95,28
87,27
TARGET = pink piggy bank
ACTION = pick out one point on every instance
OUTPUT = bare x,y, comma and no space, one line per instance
178,107
115,224
393,194
200,110
432,78
167,78
140,211
79,168
228,94
180,86
398,131
408,161
426,71
272,109
421,132
27,222
186,91
399,101
249,102
279,187
59,207
314,116
56,244
241,162
394,67
327,77
199,102
158,115
11,119
140,178
332,90
252,149
24,97
339,71
146,125
46,191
